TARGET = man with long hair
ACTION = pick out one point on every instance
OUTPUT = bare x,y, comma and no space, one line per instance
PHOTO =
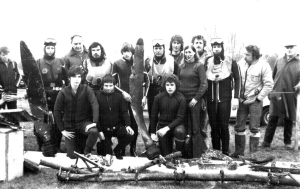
176,48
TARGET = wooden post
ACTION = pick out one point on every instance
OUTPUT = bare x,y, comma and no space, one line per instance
297,124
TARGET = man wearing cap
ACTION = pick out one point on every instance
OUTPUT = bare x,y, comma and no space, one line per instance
283,98
122,71
9,80
96,66
157,67
77,54
257,83
54,77
176,48
220,72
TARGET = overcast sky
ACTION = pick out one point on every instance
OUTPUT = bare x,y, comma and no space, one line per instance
266,23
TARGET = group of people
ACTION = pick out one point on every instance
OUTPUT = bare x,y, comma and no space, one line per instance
183,88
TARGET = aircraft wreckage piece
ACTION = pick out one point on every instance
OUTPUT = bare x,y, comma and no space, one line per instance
178,176
136,91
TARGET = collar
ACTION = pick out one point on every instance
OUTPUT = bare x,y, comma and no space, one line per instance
296,56
163,60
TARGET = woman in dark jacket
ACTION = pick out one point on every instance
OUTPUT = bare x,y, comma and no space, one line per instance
193,84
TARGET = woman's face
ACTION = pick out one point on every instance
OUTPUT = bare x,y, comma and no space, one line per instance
189,53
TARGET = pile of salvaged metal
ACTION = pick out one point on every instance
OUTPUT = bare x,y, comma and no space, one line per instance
213,166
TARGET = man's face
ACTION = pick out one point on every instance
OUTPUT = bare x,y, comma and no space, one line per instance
96,52
77,44
199,45
170,87
4,56
217,49
108,86
248,57
127,55
176,46
50,50
290,50
75,81
189,54
158,51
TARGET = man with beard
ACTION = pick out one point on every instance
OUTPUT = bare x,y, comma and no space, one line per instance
176,48
96,66
122,69
157,67
257,83
77,54
9,80
54,77
220,72
283,98
200,43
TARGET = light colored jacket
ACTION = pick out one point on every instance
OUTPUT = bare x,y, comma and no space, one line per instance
256,80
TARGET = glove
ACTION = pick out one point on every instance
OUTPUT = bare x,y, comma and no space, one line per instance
154,137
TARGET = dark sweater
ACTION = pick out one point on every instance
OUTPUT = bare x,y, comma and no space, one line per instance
193,82
171,111
9,76
71,110
112,110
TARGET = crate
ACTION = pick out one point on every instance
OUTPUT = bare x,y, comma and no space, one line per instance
11,153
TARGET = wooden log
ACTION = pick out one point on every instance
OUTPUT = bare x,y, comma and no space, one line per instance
31,166
297,124
222,176
156,161
69,169
275,169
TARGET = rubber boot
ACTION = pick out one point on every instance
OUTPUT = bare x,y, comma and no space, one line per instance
254,141
240,140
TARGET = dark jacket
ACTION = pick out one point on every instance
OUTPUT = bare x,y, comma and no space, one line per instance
71,110
72,58
113,112
286,75
9,76
170,109
123,69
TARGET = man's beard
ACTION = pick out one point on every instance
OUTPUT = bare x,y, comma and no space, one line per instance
217,58
97,60
159,58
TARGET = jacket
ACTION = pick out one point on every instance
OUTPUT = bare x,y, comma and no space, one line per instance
9,76
113,112
286,75
71,110
256,79
72,58
167,111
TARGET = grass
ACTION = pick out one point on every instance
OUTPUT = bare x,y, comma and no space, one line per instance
46,178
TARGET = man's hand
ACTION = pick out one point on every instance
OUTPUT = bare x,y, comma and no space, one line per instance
154,137
235,104
193,103
129,130
126,96
68,134
101,136
161,132
10,98
297,87
89,126
1,101
144,101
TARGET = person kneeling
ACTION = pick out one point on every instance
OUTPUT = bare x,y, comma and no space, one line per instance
113,114
170,105
76,110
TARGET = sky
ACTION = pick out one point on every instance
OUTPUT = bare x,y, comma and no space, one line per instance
269,24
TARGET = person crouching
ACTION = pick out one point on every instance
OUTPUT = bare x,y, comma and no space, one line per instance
114,119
